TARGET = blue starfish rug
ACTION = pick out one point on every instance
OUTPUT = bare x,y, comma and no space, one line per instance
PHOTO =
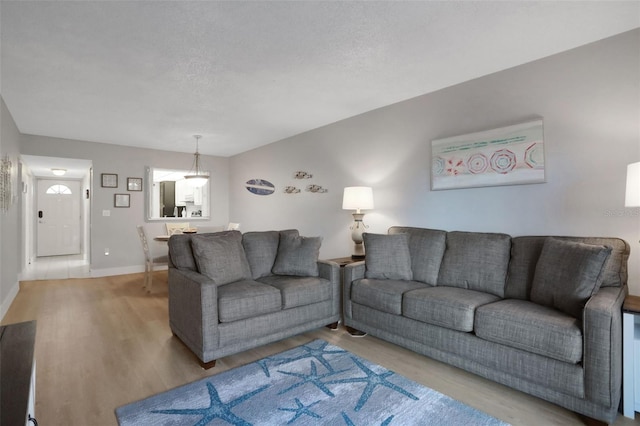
313,384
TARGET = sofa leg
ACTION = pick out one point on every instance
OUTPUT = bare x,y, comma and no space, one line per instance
355,333
333,325
208,365
591,421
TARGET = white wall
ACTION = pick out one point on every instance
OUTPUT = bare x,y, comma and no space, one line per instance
117,232
589,99
10,242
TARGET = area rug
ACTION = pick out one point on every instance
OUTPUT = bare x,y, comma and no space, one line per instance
313,384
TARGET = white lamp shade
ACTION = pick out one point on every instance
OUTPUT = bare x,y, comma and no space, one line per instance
357,198
196,181
632,198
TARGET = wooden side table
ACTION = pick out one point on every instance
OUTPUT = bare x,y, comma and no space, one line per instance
631,356
344,261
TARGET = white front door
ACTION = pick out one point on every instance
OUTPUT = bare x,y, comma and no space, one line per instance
58,216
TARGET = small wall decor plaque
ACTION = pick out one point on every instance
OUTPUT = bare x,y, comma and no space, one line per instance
109,180
6,193
316,189
291,190
122,200
134,184
302,175
260,187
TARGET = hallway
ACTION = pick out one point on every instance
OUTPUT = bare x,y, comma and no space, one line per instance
57,267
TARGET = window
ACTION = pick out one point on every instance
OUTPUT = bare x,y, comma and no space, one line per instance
59,189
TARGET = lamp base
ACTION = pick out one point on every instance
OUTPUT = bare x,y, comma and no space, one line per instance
358,251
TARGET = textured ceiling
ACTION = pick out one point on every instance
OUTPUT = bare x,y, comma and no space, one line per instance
245,74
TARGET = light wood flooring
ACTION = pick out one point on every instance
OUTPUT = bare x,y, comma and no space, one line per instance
105,342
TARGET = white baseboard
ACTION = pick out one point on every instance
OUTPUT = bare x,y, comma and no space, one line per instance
6,303
107,272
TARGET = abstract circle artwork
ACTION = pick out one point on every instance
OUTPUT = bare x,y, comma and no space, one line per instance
503,161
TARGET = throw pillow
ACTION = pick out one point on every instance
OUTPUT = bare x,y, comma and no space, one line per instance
297,255
387,256
221,257
261,249
567,274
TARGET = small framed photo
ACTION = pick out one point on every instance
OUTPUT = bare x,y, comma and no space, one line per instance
122,200
134,184
109,180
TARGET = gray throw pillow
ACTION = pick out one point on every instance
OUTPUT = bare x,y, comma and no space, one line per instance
261,249
221,257
568,274
297,255
387,256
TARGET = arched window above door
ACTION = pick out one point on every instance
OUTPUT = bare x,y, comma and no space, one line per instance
59,189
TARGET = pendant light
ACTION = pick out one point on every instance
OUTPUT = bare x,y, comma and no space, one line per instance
196,177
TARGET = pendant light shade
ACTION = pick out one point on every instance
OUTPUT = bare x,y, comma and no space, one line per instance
196,177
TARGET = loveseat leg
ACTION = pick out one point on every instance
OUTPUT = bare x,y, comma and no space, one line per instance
355,333
333,325
589,421
208,365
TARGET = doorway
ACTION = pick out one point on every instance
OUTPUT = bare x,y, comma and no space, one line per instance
58,218
37,177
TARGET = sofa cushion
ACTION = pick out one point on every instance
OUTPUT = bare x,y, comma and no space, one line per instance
181,253
426,247
476,261
387,256
531,327
261,249
246,299
297,255
568,274
221,257
383,295
449,307
299,291
525,252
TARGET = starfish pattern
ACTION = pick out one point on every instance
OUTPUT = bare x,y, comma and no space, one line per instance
301,410
372,379
317,353
350,422
313,378
216,409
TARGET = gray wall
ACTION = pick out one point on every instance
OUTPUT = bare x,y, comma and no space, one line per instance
117,232
589,99
10,244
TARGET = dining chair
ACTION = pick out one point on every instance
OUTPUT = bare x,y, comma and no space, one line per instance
209,229
149,260
177,228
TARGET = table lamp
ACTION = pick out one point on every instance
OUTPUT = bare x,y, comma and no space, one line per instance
357,198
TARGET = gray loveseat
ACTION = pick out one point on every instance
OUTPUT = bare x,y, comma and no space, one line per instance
229,292
538,314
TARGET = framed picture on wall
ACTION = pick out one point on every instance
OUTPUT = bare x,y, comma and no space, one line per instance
134,184
122,200
511,155
109,180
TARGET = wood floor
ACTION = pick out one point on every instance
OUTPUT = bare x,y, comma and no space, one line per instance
105,342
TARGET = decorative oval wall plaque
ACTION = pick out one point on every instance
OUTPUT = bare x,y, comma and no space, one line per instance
260,187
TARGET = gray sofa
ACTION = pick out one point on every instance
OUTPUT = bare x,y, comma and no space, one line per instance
229,292
539,314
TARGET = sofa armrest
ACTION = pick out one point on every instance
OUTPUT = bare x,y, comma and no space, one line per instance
331,271
352,272
193,310
602,334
